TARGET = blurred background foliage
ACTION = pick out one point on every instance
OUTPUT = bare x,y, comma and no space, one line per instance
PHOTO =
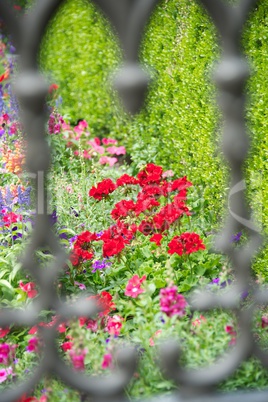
180,124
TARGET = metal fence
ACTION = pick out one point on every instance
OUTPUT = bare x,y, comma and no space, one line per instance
129,18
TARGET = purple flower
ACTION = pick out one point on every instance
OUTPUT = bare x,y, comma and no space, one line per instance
236,237
53,217
17,234
73,239
216,281
24,197
100,264
63,236
12,49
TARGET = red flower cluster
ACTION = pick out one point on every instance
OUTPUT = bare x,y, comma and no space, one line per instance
150,174
11,217
115,238
104,188
122,209
104,301
187,243
82,248
154,221
126,179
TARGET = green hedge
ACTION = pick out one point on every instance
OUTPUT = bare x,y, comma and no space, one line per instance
180,125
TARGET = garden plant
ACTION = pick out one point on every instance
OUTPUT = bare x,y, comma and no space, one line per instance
137,222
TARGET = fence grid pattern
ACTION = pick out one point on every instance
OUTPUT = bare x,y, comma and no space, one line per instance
129,18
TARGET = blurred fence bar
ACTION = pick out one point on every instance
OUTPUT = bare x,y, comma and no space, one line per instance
129,17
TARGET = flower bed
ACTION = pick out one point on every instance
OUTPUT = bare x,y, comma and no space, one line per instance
138,245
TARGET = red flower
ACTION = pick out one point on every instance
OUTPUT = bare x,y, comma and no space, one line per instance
175,246
29,288
145,203
122,209
169,214
10,218
115,238
151,190
181,184
192,242
4,332
82,248
187,243
113,247
126,179
66,346
146,227
103,189
52,88
133,288
104,301
156,238
4,76
150,174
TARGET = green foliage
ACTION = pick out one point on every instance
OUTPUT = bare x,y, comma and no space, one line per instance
179,128
79,53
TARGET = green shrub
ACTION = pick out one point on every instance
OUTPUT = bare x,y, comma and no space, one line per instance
180,125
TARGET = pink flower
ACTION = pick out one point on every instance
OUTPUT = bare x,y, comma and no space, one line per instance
98,148
171,302
198,321
114,325
86,154
230,330
133,288
107,361
4,353
78,360
107,141
69,189
80,285
168,173
117,150
29,288
155,335
92,325
82,124
4,373
264,321
107,159
33,344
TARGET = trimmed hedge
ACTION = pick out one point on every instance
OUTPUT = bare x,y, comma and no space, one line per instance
180,125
